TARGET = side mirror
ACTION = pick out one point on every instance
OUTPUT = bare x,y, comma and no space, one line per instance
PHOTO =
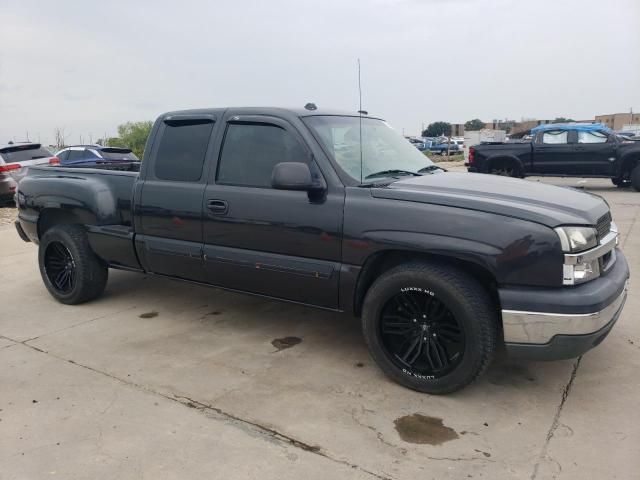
293,176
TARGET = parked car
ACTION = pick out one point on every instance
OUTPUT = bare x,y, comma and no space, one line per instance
95,154
445,148
15,159
442,268
572,150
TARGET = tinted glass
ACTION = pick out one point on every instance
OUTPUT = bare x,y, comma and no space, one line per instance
63,156
555,137
251,151
75,155
89,154
118,154
182,150
22,153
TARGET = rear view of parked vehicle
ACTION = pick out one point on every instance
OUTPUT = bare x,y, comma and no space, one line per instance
15,159
90,155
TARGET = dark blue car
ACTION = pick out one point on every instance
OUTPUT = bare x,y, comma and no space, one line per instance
95,155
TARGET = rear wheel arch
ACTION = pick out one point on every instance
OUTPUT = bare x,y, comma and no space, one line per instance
499,161
381,262
50,217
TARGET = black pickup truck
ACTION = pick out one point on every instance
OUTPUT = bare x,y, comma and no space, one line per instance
570,150
338,211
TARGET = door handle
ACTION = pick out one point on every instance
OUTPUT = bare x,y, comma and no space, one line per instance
218,207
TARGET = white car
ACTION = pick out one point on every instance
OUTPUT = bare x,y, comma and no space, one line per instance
15,160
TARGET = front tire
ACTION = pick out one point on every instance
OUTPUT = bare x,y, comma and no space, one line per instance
430,327
70,270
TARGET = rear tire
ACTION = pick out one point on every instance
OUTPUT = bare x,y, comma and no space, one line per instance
506,169
441,315
635,178
70,270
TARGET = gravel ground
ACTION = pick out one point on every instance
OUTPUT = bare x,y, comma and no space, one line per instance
7,215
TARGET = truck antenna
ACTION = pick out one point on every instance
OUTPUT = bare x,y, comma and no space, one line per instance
360,114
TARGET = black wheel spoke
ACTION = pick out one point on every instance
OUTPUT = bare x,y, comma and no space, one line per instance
413,344
411,304
394,328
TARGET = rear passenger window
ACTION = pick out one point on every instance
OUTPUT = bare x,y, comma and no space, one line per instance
76,155
182,149
250,152
592,137
63,156
555,137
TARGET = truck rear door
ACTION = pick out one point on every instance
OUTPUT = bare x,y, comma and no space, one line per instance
596,152
169,204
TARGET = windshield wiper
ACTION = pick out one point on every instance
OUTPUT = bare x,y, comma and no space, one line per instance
390,173
430,168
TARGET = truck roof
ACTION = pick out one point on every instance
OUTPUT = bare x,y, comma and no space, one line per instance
282,111
581,127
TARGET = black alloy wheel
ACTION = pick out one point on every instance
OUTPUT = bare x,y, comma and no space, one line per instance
60,267
420,334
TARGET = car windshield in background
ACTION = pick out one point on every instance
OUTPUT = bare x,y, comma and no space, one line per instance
21,153
385,153
118,154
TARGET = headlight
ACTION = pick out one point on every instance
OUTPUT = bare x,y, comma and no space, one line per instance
577,239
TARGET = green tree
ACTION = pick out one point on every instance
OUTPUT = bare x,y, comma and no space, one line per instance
475,124
562,120
436,129
132,135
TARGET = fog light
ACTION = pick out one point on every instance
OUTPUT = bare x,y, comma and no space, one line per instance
581,272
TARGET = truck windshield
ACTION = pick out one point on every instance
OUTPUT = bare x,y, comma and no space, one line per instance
385,153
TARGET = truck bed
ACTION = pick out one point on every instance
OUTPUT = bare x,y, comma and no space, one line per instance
99,198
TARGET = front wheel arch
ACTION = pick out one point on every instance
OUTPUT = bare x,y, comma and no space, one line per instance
382,261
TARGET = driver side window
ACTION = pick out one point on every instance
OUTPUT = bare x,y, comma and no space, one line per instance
251,150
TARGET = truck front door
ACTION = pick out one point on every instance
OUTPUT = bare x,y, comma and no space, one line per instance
281,243
554,153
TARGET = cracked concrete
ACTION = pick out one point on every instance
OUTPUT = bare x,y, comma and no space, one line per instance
192,394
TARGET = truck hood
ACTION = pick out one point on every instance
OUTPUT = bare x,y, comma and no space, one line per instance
527,200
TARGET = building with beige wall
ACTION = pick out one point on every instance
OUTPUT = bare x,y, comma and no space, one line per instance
616,121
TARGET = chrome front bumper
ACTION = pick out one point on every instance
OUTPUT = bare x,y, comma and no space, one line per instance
541,327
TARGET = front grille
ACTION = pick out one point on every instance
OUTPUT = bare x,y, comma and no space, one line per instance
604,225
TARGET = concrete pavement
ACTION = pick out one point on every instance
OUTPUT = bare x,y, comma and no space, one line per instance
160,379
